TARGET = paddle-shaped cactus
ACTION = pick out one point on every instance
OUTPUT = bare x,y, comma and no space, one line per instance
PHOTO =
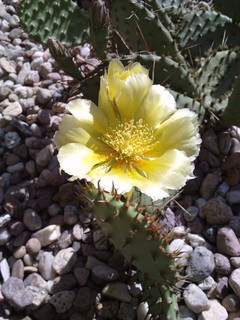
133,232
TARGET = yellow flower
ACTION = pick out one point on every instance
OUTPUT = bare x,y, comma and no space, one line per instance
135,137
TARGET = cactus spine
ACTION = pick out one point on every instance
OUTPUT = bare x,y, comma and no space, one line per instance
133,233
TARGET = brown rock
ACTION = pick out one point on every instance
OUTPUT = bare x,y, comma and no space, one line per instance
227,242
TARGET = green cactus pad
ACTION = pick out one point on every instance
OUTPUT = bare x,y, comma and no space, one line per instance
61,19
217,74
138,26
133,232
231,114
198,24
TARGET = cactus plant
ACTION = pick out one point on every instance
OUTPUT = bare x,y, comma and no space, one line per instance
127,225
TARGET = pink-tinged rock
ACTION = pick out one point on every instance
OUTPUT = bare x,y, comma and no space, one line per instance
227,242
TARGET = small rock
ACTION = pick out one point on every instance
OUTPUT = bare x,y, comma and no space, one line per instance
227,242
12,139
32,77
33,246
99,240
206,283
231,303
48,234
215,312
191,213
209,185
34,279
224,142
18,269
117,290
195,240
15,293
222,264
5,236
195,299
234,281
45,265
217,212
62,301
233,196
201,264
186,314
235,225
222,288
64,261
32,220
7,65
4,219
235,261
86,297
5,269
61,283
102,274
44,156
40,296
44,96
108,309
70,214
44,116
234,316
82,275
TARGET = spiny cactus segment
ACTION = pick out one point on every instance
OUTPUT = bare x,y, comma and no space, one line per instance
61,19
133,232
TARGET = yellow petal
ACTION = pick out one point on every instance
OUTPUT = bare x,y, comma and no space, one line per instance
180,132
170,171
70,131
132,94
157,106
105,101
90,117
77,160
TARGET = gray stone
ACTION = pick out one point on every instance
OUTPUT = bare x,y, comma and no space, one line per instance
44,156
231,302
186,314
233,196
15,293
4,219
234,281
12,139
32,78
32,219
5,235
82,275
201,264
4,269
64,261
217,212
48,234
18,269
117,290
44,96
62,301
227,242
215,312
222,264
40,296
34,279
102,274
70,214
195,299
86,297
45,265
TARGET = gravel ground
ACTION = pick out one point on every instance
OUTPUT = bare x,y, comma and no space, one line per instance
52,264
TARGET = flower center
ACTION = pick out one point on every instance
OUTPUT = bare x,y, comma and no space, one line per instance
129,140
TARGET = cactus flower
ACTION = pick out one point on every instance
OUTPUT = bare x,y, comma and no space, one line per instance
135,137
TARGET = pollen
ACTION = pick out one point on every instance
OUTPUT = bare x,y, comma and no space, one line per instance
129,140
